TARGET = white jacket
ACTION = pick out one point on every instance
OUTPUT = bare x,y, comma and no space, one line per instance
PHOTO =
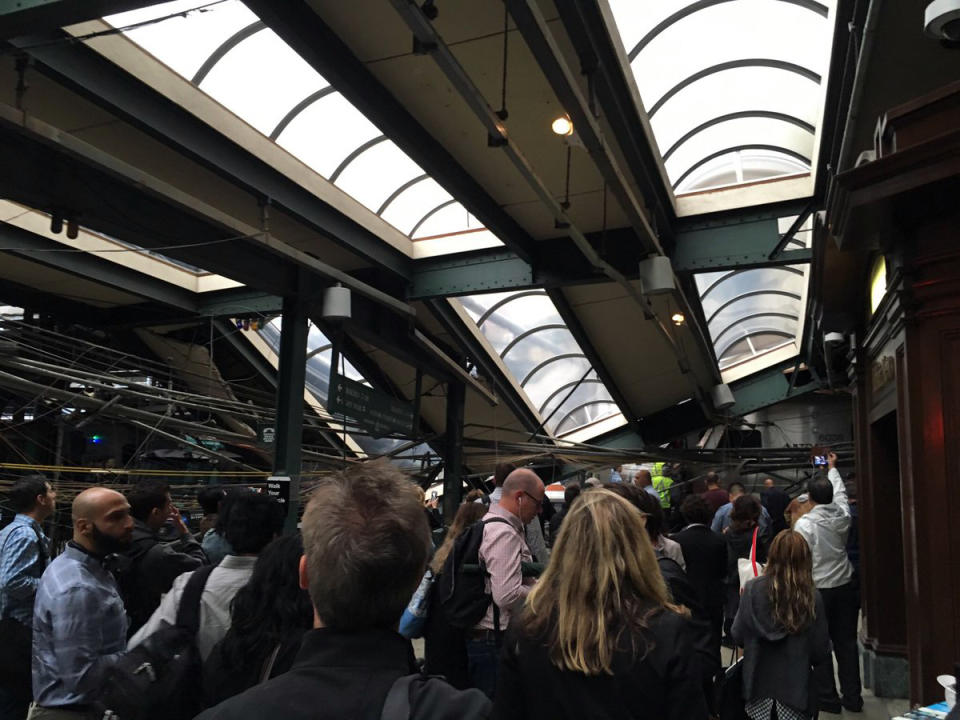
825,529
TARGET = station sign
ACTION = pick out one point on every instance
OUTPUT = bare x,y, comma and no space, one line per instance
375,411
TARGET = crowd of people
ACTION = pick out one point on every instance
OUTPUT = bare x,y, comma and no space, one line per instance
595,610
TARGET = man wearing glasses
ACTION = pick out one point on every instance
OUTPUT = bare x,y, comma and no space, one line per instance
501,553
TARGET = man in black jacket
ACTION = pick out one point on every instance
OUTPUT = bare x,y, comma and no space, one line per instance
705,553
366,543
152,565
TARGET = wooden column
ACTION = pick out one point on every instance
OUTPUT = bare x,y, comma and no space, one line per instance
906,204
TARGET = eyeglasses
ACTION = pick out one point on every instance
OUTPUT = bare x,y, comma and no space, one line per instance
538,502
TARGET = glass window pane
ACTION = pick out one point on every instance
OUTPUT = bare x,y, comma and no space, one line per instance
727,32
450,219
326,132
376,173
184,43
734,133
261,80
503,317
415,202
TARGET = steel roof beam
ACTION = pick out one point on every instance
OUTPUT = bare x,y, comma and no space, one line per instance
50,253
734,246
94,77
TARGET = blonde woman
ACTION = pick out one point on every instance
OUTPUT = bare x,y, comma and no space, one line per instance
598,636
782,627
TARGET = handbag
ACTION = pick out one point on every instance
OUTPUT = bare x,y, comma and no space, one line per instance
414,618
749,568
729,693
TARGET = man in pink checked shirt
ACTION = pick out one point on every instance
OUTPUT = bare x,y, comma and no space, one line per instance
502,551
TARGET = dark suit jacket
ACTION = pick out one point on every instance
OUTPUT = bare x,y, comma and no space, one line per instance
705,553
659,684
346,676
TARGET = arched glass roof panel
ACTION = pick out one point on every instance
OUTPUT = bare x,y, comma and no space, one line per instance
325,133
697,61
376,173
740,166
789,278
739,132
184,42
527,331
262,99
584,415
443,219
750,312
730,92
228,53
731,31
411,205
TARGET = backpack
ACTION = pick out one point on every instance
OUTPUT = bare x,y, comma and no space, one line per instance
460,587
127,573
423,696
161,677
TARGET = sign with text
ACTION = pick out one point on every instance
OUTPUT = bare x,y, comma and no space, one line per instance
279,488
375,411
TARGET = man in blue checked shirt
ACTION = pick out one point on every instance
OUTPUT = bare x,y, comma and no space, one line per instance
79,622
24,553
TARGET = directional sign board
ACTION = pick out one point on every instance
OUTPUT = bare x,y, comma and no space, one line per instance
377,412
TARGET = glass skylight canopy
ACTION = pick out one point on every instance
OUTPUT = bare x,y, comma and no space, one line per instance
753,313
226,51
734,89
546,361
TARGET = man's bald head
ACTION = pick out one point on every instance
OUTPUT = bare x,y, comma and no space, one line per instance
522,479
643,478
93,501
523,494
768,483
101,520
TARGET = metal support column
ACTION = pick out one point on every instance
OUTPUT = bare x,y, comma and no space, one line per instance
453,454
292,373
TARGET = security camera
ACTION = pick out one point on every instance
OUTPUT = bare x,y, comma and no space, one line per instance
942,20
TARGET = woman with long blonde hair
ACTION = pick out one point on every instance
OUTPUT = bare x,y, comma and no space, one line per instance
782,627
598,635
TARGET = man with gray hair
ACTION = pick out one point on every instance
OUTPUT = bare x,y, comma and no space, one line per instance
502,552
366,543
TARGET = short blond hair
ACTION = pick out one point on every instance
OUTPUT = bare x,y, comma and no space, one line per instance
367,541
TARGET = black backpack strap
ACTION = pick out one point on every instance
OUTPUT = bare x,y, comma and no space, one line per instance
397,704
188,613
496,608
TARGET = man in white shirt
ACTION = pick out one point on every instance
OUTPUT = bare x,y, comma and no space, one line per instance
825,528
251,521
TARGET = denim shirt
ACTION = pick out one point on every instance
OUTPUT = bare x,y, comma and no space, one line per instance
79,629
21,565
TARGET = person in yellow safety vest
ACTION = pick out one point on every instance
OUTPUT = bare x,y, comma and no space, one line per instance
661,483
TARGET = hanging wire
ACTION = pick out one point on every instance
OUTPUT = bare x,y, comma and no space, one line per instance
502,112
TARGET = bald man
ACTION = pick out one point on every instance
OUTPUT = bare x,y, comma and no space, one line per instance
80,627
644,480
502,551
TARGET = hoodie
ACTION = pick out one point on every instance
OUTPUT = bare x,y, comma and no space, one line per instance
777,665
825,529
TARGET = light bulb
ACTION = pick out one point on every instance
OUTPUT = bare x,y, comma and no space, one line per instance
562,126
678,319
